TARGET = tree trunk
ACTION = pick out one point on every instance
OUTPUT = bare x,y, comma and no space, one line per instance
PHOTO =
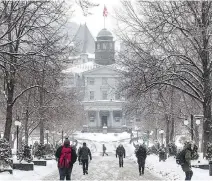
26,126
41,113
205,57
171,138
207,130
9,110
167,128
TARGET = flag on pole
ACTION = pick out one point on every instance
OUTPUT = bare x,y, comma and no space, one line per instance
105,12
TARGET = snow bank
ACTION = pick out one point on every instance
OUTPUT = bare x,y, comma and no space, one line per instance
100,137
37,174
169,170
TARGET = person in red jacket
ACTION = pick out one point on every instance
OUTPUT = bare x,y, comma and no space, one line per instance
66,157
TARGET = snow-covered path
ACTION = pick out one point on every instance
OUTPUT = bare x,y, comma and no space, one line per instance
106,168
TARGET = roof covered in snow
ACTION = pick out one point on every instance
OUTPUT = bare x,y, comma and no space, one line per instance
84,40
89,66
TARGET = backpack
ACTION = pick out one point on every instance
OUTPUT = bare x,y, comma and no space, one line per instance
65,158
180,158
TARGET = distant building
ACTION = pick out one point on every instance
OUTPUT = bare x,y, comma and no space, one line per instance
98,77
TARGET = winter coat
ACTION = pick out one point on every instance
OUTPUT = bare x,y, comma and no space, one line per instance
85,153
120,151
73,154
104,148
141,154
186,167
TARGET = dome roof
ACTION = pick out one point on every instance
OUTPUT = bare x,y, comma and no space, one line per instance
104,32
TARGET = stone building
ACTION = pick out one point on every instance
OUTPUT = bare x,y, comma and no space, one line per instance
98,78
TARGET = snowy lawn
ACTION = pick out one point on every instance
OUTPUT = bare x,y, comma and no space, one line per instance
38,173
169,170
102,137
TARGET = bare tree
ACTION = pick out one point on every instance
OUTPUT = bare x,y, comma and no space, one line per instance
169,44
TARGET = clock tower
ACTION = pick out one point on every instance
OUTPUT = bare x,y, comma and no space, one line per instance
105,48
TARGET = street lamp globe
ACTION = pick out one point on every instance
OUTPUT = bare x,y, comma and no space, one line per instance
47,131
197,121
161,131
151,132
186,122
17,123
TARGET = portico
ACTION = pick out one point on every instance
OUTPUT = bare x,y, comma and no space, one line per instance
104,113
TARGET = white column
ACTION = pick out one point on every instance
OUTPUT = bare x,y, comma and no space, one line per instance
111,118
99,119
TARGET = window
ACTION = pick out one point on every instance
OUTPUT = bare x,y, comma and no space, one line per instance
91,81
91,95
98,46
117,116
104,95
104,81
104,46
91,115
117,119
110,46
117,96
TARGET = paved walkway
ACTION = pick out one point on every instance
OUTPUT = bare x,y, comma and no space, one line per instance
106,168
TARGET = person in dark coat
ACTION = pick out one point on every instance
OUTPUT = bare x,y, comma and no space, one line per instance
84,154
162,153
141,154
186,167
121,153
79,158
104,150
65,172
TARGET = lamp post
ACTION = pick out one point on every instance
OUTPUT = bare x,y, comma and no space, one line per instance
198,122
47,132
137,133
53,132
161,133
186,122
149,133
17,124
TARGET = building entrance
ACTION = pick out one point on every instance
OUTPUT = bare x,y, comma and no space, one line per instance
104,120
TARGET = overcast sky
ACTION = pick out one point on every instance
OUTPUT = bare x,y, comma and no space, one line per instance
95,22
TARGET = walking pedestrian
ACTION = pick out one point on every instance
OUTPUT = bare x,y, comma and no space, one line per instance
184,158
120,152
162,153
141,154
84,154
66,157
79,158
104,150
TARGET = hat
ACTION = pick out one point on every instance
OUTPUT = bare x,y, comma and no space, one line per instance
66,141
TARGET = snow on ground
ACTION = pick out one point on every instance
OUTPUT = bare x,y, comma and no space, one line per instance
102,137
169,170
106,168
38,173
